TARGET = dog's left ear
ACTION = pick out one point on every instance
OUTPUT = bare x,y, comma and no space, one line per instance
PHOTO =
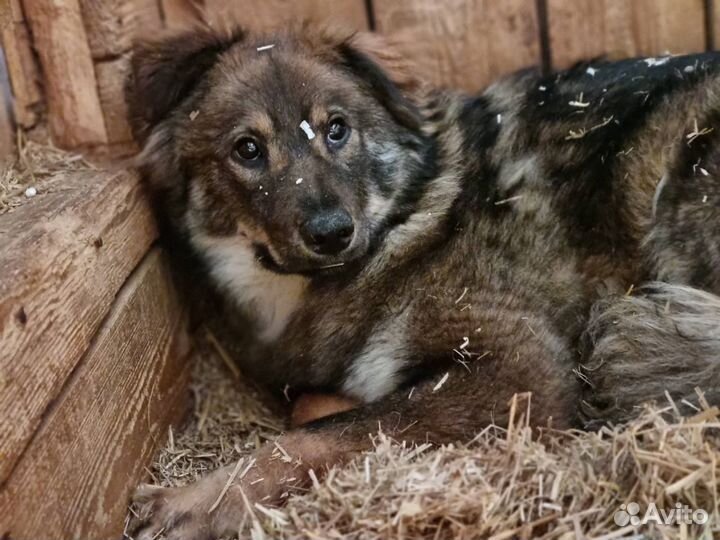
388,75
165,70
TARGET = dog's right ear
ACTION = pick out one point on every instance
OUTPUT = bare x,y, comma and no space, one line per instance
165,71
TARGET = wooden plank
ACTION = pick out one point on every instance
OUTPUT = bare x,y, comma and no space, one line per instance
75,479
713,12
74,114
22,69
10,10
349,13
272,14
112,25
63,259
584,29
111,76
181,13
7,133
7,129
463,43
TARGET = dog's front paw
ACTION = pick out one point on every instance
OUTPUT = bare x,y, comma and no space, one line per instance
216,506
171,513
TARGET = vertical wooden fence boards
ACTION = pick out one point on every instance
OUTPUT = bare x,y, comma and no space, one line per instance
583,29
713,26
7,137
456,43
75,118
111,27
265,15
461,43
180,13
271,13
22,67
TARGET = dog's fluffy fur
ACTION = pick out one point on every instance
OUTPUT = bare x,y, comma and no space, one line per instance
664,340
485,230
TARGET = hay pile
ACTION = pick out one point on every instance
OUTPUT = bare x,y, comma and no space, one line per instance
503,485
35,165
231,418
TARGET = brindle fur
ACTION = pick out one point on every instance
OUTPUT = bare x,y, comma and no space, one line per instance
487,228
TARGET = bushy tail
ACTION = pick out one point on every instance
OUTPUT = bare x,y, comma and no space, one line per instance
663,340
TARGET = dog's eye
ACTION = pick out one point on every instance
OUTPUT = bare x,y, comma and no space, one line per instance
337,132
247,149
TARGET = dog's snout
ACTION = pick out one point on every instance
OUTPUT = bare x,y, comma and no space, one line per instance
328,232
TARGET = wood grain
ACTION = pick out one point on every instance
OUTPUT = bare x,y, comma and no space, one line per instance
7,129
112,25
272,14
714,26
75,479
181,13
584,29
74,114
22,67
463,43
111,76
63,260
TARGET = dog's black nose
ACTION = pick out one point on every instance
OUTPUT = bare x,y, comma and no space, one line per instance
328,232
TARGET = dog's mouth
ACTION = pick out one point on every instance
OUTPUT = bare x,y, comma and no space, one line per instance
311,269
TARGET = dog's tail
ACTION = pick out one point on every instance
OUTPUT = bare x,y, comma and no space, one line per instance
660,344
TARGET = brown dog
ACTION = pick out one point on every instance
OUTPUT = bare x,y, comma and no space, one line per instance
430,254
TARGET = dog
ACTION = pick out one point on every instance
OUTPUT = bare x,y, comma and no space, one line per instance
429,255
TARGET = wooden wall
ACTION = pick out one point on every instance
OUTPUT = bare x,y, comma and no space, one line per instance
460,43
93,356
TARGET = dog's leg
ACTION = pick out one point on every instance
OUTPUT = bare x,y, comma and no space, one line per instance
665,338
452,405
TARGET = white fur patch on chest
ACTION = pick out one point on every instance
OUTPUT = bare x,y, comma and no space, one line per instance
374,372
268,297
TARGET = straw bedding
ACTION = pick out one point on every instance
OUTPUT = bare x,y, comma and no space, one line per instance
502,485
36,165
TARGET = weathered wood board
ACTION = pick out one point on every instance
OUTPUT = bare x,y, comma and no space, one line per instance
180,13
713,16
111,25
271,14
74,114
76,476
583,29
463,44
111,76
7,139
21,65
63,259
7,129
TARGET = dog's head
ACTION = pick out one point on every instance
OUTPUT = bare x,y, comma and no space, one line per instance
303,147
